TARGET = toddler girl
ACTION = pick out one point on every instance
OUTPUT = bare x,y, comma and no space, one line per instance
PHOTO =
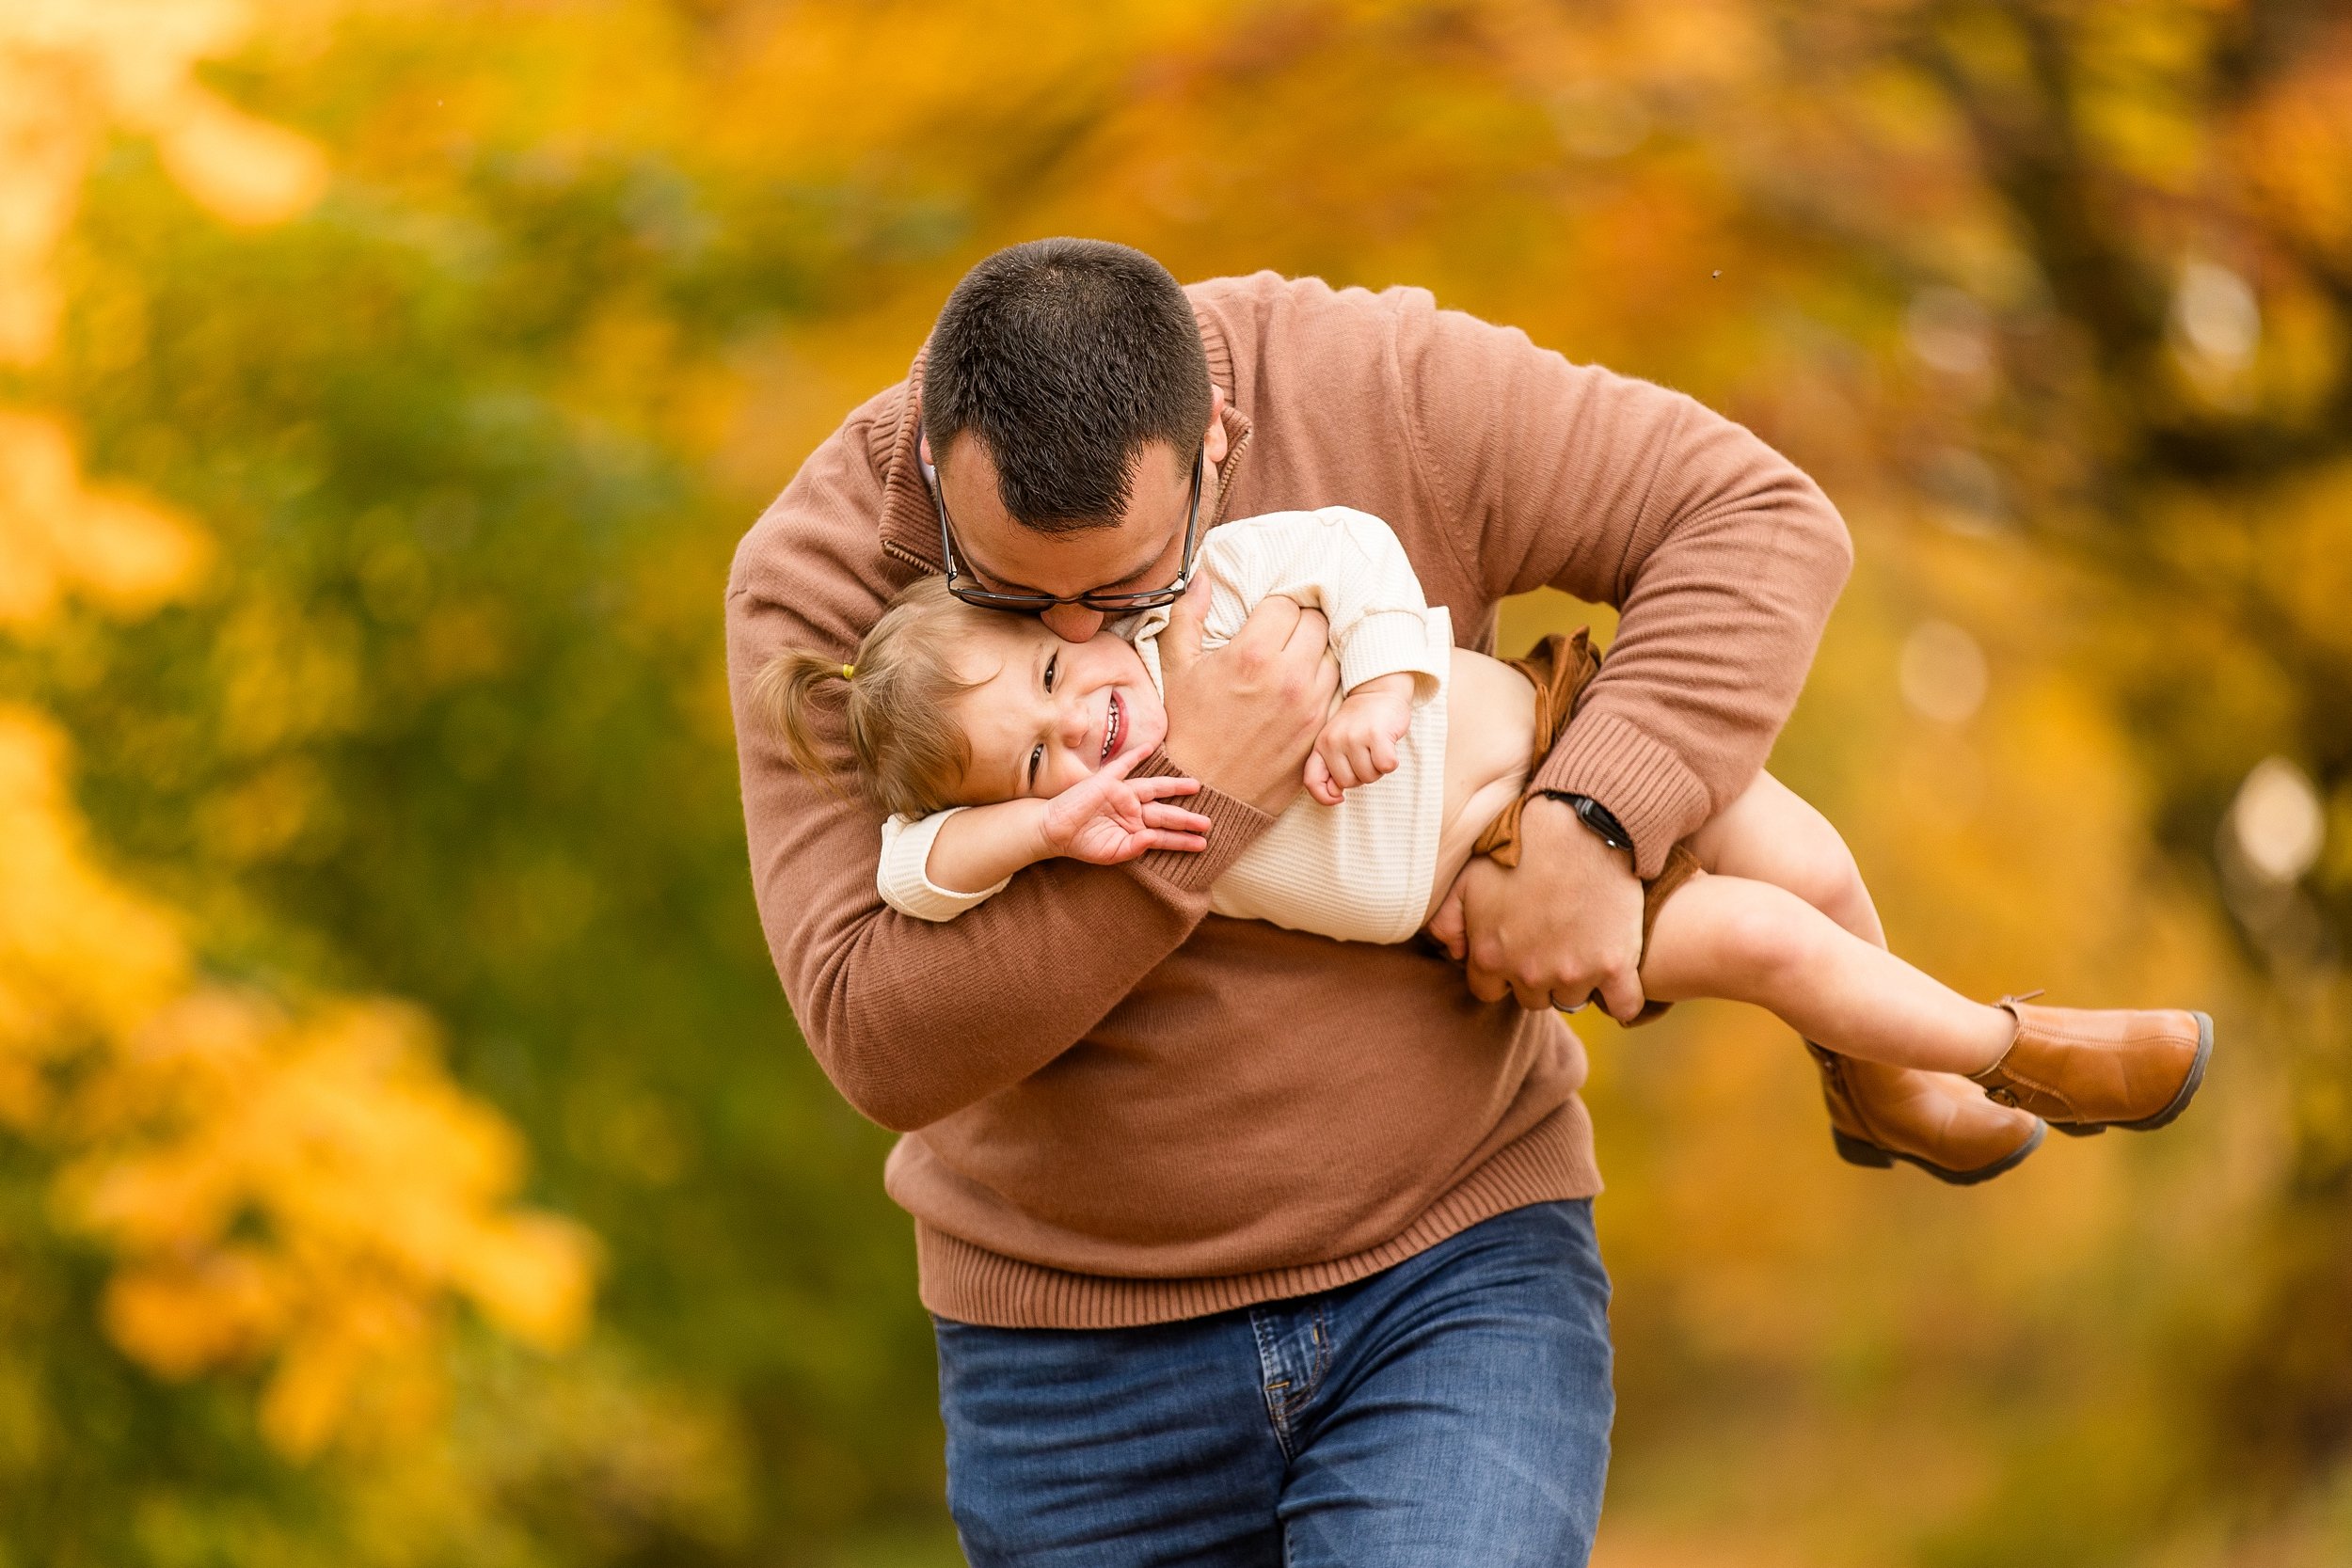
993,744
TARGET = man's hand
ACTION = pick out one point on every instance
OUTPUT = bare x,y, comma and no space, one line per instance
1565,923
1106,817
1241,717
1358,744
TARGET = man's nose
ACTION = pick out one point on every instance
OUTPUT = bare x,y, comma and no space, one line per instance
1073,622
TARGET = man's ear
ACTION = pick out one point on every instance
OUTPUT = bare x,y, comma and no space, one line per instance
1215,445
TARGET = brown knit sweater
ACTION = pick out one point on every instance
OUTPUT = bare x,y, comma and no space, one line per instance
1120,1109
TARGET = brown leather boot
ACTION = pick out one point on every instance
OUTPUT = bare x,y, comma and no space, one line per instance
1879,1114
2087,1070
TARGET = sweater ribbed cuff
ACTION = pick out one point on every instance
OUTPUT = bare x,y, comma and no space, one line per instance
1387,644
1234,827
1646,788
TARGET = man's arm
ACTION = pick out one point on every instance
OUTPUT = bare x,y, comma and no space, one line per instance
913,1020
1723,557
1724,560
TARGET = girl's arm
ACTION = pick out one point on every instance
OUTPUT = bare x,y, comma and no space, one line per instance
1348,564
934,873
1358,745
938,866
1344,562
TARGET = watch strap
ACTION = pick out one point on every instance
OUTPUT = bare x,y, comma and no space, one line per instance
1600,818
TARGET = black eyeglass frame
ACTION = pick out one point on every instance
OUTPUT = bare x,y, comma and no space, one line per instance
1113,604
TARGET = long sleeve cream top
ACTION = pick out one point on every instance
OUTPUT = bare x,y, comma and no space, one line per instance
1361,870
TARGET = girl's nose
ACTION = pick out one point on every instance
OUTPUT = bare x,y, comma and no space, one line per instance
1076,721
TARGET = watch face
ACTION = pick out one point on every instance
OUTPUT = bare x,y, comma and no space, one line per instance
1603,821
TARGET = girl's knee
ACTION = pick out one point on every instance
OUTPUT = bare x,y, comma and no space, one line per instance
1763,933
1806,854
1824,874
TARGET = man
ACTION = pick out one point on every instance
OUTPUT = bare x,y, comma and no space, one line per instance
1319,1210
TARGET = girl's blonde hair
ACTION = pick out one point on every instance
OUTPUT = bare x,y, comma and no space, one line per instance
897,695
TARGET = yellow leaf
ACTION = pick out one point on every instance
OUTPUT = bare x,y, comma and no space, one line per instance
246,171
59,534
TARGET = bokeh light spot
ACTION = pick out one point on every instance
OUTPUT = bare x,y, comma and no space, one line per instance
1942,673
2277,822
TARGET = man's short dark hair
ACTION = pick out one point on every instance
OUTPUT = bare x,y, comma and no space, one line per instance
1062,358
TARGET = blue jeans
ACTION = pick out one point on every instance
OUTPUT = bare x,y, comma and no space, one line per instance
1453,1409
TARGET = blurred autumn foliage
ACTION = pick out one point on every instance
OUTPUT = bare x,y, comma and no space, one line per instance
384,383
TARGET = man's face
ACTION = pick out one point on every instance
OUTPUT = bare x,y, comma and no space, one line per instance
1143,550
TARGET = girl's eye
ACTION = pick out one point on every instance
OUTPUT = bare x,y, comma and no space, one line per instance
1037,760
1050,663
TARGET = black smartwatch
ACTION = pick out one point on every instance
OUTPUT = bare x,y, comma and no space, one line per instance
1596,816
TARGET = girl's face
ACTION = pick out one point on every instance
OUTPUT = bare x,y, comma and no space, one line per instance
1047,713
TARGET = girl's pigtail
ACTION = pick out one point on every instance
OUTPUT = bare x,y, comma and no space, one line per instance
895,703
789,690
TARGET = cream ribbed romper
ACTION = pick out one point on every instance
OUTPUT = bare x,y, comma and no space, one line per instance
1360,870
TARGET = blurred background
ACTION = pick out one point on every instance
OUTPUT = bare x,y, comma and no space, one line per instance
406,1156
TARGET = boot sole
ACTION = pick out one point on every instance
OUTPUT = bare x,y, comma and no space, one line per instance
1856,1151
2170,1113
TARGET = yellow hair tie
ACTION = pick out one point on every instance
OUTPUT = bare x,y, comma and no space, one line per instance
848,670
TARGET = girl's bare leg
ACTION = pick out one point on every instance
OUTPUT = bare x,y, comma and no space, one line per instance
1746,941
1878,1110
1772,834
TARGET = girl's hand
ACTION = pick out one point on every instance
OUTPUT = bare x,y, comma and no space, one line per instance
1109,818
1358,744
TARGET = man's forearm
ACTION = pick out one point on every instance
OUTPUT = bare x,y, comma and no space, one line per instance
913,1020
1709,656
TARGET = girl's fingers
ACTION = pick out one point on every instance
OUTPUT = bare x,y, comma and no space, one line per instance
1318,777
1178,841
1160,790
1176,817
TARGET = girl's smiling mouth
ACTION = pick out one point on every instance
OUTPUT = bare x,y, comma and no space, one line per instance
1113,724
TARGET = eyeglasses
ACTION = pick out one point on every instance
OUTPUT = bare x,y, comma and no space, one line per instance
1114,604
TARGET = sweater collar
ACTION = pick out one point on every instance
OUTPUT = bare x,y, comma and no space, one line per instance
909,525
